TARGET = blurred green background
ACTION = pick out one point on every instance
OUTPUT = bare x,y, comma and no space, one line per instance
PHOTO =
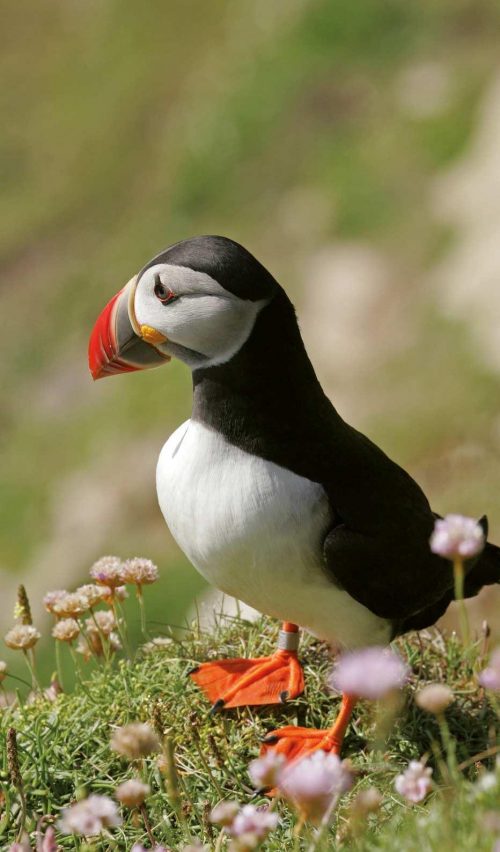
353,147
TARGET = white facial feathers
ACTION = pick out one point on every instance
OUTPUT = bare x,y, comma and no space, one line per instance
204,318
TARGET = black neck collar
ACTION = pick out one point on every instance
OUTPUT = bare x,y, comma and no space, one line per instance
267,399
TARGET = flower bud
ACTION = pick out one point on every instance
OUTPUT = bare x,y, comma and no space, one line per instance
135,740
366,802
434,698
265,772
132,793
224,813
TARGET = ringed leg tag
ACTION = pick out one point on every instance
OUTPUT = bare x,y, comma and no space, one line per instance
288,641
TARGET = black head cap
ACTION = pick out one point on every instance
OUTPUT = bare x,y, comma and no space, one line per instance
231,265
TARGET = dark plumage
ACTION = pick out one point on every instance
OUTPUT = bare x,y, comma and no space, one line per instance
268,401
226,261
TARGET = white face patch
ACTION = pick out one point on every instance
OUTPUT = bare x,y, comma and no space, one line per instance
204,318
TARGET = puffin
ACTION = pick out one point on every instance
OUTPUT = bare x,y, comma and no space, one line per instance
271,495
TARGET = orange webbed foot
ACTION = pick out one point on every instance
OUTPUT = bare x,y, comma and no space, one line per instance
293,742
239,682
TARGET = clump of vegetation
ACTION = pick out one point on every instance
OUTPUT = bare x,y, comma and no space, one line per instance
131,757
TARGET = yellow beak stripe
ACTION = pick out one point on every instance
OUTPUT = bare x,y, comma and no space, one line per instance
151,335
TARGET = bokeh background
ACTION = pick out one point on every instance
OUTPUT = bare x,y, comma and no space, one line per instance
353,147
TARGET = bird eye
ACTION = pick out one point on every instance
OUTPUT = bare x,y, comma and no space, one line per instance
162,292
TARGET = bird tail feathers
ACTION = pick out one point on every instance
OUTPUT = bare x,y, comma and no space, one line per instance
485,571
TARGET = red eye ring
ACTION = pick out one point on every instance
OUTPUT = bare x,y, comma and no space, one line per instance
162,292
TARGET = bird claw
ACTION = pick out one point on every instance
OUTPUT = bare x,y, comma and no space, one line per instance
216,707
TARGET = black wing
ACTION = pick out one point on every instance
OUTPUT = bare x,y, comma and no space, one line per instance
396,576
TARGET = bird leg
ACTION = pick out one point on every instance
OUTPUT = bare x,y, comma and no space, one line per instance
264,680
294,742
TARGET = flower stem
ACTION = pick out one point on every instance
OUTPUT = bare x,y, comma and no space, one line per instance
31,665
459,576
142,610
297,832
92,650
103,638
147,824
78,673
325,825
121,629
172,780
22,816
220,841
441,764
449,746
20,679
59,665
208,770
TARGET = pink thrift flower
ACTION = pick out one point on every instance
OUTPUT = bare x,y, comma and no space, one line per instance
52,597
107,571
139,571
490,676
196,846
48,842
90,816
21,637
266,771
369,673
224,813
23,845
138,847
415,782
312,783
255,821
457,537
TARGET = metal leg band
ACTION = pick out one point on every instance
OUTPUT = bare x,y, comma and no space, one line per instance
288,641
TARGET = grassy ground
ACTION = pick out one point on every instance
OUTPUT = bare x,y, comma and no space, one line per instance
64,746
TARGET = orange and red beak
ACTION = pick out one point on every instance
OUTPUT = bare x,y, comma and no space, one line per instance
118,344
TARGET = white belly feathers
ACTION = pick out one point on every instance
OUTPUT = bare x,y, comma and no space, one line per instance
255,530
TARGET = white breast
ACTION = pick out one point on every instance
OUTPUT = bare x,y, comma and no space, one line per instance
255,530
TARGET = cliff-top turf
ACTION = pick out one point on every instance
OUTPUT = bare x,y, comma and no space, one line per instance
66,748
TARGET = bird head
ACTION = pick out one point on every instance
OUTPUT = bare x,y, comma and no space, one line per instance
197,300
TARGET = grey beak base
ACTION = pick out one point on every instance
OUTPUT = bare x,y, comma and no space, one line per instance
130,348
